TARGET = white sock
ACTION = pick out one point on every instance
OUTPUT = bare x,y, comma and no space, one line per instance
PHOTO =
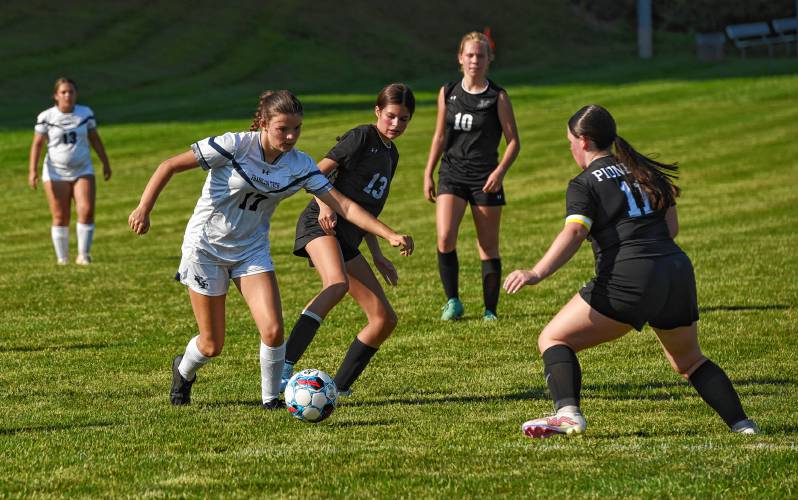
570,410
271,367
192,360
60,235
85,236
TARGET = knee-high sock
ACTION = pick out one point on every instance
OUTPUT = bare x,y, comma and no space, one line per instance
85,237
491,281
271,366
192,360
449,269
355,361
301,336
715,388
60,235
563,375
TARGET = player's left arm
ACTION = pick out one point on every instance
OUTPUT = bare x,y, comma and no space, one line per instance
510,131
97,144
561,250
381,262
360,217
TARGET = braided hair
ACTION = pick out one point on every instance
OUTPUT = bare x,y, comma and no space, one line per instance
275,102
653,177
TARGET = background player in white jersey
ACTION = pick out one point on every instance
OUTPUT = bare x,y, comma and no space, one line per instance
227,237
362,165
473,114
68,128
626,203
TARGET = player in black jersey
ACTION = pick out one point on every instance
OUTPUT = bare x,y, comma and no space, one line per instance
473,114
362,166
626,203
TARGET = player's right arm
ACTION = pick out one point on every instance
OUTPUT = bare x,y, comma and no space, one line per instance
435,149
139,220
327,217
36,147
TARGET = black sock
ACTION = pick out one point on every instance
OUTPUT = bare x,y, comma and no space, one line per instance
301,337
449,269
355,361
491,277
563,375
715,388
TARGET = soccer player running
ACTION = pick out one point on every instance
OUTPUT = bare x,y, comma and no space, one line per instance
473,114
227,237
68,128
626,203
362,165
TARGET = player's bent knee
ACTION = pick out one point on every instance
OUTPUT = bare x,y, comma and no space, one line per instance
272,335
210,349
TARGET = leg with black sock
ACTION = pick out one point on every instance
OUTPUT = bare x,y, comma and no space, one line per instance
301,336
491,283
449,269
563,376
715,388
355,361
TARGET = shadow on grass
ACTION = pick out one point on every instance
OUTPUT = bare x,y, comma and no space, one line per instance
763,307
53,427
518,396
60,347
363,423
631,391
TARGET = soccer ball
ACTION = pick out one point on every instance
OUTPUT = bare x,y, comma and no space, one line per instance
311,395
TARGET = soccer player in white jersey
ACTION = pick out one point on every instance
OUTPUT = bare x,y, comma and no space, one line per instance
228,235
68,128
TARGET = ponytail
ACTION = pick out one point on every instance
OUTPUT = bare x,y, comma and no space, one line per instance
653,177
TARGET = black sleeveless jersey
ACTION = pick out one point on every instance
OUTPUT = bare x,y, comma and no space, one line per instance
366,167
472,132
622,224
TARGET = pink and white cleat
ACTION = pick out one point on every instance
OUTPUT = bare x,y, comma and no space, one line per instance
567,424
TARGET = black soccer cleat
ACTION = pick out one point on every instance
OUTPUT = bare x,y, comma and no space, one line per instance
273,404
181,388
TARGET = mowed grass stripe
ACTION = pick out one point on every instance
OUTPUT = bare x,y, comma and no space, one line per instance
85,352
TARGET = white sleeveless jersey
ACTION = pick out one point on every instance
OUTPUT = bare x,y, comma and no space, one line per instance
67,139
231,219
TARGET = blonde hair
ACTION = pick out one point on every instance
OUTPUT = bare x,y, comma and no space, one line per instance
476,36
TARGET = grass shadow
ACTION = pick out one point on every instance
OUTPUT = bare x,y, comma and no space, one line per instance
76,346
519,396
369,423
763,307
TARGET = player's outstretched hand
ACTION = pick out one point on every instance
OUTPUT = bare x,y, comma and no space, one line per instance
387,270
107,172
327,220
139,220
520,278
404,242
429,189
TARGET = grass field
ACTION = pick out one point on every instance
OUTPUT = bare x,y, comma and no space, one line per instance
85,352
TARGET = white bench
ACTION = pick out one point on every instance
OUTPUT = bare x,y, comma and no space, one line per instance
786,30
751,35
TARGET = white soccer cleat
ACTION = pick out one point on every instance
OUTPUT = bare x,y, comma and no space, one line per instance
62,262
83,260
568,424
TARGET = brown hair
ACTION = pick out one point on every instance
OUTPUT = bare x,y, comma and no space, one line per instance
275,102
397,93
655,178
62,80
476,36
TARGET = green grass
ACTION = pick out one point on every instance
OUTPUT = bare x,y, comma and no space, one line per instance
85,352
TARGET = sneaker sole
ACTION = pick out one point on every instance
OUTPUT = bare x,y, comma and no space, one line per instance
545,431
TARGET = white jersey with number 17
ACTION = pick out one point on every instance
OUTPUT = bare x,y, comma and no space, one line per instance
232,217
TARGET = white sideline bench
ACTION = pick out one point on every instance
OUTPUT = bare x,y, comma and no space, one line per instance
751,35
